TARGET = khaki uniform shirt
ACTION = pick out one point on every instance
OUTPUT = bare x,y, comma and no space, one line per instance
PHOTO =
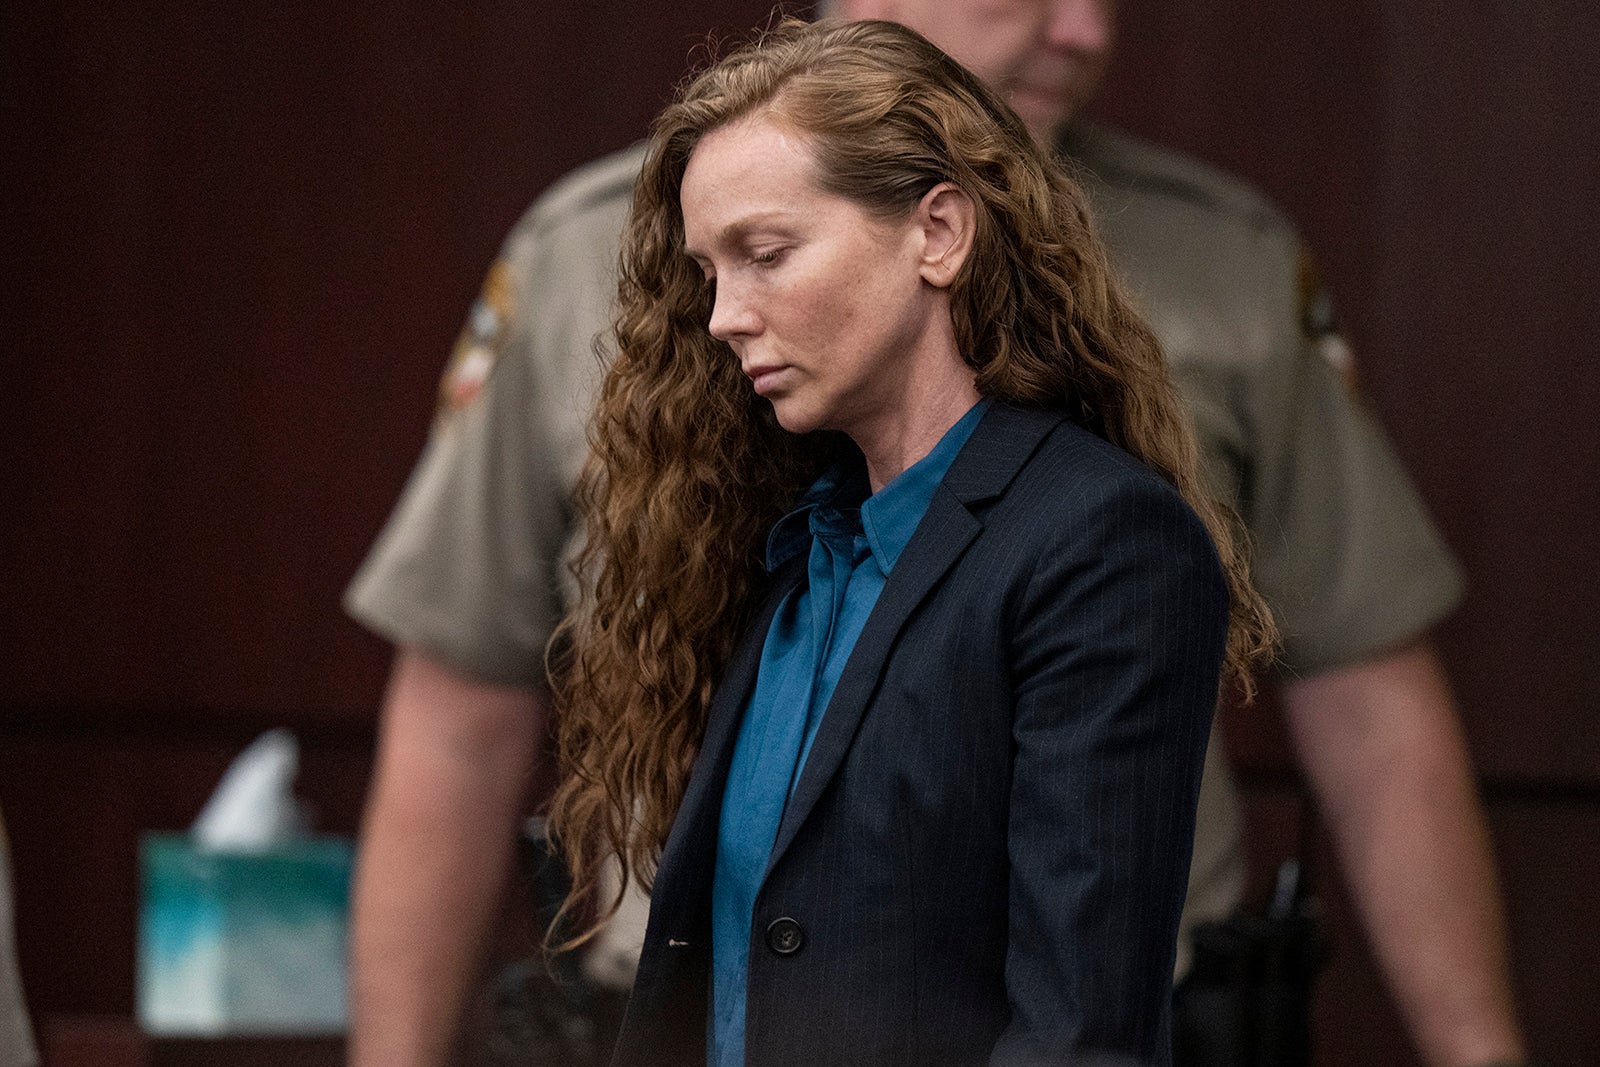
1343,549
469,565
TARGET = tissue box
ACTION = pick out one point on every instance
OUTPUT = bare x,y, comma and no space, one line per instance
243,942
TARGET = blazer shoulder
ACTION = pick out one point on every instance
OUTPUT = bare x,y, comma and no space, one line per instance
1076,457
1037,476
1077,480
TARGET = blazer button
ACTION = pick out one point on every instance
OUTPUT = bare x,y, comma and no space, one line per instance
785,937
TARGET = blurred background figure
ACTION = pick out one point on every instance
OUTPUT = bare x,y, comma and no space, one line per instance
16,1036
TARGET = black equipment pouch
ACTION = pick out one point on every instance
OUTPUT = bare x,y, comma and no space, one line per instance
1246,1001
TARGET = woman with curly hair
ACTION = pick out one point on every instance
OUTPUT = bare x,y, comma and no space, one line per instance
905,610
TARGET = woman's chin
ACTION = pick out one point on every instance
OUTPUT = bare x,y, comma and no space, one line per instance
795,418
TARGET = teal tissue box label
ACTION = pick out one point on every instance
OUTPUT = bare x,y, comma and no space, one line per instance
237,942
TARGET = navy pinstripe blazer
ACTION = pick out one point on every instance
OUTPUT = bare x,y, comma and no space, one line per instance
986,853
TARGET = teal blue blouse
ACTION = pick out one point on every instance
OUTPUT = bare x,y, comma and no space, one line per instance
854,540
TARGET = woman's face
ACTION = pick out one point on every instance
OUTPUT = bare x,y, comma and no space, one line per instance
825,305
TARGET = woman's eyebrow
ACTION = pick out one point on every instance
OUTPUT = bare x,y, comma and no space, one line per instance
735,231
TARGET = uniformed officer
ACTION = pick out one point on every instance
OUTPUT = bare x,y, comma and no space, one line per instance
466,578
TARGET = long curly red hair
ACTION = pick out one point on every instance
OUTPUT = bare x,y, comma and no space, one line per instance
689,468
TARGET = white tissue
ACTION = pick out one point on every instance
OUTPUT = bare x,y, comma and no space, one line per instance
253,808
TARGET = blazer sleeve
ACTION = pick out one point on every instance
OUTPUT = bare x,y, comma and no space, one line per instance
1115,662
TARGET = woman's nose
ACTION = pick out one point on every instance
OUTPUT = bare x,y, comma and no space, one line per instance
731,315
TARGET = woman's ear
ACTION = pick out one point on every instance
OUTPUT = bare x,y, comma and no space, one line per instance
947,218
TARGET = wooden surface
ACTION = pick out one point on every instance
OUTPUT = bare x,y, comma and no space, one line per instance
116,1041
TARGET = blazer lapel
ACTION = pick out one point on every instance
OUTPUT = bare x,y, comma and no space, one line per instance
1000,445
684,873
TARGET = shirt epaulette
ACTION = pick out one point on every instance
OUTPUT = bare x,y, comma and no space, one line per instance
1130,163
595,185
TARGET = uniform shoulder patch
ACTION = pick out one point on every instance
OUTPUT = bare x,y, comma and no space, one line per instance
477,348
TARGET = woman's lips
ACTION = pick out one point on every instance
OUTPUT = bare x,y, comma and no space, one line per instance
765,379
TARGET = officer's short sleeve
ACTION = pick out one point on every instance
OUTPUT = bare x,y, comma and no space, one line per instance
1344,549
470,564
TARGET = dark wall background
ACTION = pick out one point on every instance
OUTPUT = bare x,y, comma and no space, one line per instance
240,238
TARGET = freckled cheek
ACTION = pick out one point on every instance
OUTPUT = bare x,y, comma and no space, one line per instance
818,315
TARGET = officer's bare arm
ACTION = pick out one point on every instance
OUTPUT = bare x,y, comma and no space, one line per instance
436,848
1382,745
